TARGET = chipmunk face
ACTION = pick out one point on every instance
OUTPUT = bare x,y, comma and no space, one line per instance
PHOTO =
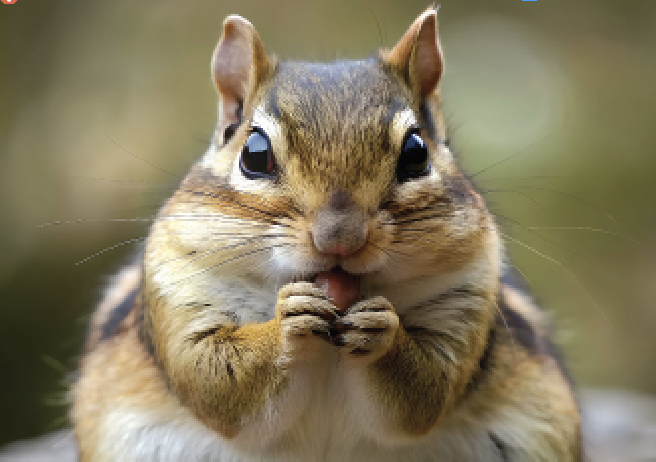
320,167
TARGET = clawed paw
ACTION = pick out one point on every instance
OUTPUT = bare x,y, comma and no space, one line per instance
367,330
309,321
306,315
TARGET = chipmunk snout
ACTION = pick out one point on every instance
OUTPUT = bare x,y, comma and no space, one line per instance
340,226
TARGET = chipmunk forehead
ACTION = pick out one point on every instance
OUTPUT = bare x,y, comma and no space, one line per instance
341,123
334,104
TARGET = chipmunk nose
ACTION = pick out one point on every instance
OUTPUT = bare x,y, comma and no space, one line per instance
340,226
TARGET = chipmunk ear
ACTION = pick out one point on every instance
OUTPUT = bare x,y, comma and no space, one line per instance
239,65
418,55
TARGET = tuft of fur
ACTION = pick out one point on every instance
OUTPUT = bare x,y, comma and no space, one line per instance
222,348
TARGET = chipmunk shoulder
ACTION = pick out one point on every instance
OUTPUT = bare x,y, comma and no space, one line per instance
325,284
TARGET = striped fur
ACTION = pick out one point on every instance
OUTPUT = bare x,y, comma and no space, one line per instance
217,345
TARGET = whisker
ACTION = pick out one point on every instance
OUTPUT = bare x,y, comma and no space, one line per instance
507,158
423,218
528,177
174,217
222,219
269,211
513,222
569,272
511,191
508,330
207,196
386,264
216,249
381,36
286,200
270,206
587,228
96,220
210,268
266,235
140,158
409,212
387,251
112,180
522,273
573,197
209,252
107,249
213,217
428,230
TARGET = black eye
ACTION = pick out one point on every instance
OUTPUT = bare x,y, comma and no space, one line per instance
257,159
413,161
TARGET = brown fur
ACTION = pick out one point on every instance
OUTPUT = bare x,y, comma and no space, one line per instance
439,360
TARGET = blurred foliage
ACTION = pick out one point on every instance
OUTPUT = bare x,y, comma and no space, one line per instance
105,105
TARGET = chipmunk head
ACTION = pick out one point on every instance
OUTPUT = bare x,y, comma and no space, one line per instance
318,166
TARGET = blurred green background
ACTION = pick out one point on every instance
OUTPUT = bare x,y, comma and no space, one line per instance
104,105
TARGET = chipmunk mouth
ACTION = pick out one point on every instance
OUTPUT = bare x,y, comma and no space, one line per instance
343,288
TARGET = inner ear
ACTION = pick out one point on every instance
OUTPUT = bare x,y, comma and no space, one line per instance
418,55
239,65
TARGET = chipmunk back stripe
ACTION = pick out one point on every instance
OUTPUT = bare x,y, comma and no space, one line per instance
512,278
113,314
511,326
113,325
145,332
522,330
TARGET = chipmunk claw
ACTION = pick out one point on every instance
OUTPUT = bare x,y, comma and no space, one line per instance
305,315
367,330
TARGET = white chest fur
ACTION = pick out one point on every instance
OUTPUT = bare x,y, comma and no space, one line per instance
330,429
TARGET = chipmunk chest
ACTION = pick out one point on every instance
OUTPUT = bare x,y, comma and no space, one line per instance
328,432
328,419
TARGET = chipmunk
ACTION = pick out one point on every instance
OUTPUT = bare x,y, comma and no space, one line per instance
325,284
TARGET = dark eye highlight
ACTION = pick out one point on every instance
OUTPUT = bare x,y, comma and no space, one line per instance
257,159
413,161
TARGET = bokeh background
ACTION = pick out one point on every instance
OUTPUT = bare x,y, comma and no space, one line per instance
104,105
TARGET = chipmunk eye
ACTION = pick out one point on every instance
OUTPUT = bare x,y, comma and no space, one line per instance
257,159
413,161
